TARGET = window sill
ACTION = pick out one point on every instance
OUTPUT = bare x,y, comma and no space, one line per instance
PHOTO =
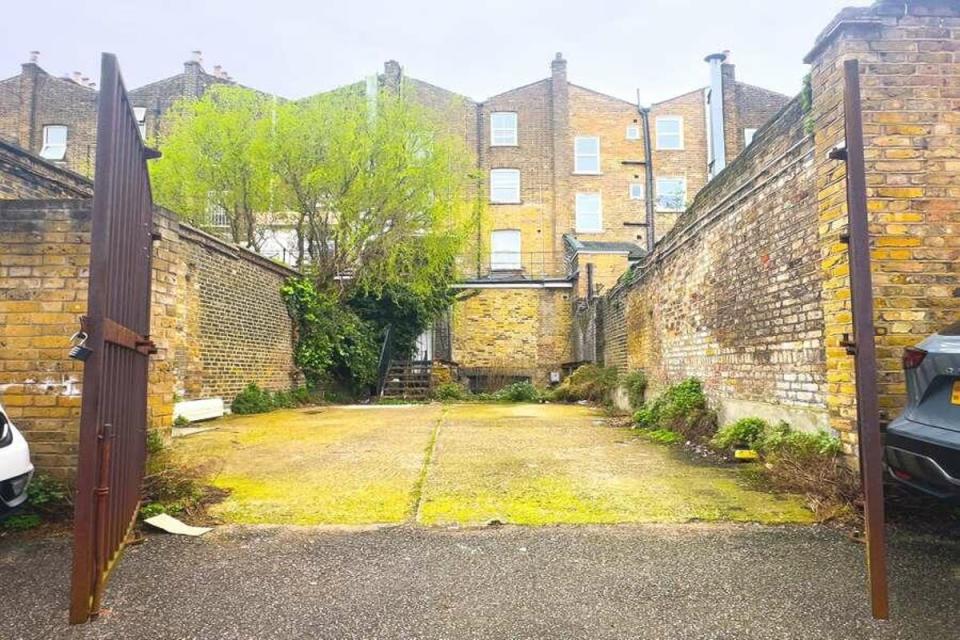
587,173
670,149
506,202
588,231
508,146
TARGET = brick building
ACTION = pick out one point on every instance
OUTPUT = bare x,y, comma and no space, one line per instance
56,117
564,179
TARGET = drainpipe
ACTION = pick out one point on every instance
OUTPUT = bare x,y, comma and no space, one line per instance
648,175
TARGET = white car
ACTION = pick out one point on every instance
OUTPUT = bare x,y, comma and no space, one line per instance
15,467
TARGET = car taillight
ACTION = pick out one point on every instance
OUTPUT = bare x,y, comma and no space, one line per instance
912,357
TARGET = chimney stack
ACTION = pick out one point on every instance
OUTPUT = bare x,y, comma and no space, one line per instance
559,66
717,159
392,75
34,57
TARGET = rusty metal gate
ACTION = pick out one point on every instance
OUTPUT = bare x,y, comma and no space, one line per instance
114,406
863,345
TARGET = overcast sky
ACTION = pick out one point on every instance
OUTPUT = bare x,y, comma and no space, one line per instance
299,47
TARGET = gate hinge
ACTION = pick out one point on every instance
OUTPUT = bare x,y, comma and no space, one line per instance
849,345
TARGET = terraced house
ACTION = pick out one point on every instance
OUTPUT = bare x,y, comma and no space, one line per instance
576,184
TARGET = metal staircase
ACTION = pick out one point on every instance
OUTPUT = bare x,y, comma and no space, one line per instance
408,380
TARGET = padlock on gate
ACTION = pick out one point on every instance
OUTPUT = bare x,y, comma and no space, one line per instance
80,351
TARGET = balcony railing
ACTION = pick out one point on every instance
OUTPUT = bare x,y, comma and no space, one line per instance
513,265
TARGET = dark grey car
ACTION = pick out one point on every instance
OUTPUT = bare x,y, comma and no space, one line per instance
923,443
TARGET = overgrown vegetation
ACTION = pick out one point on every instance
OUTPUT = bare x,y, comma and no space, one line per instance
253,399
806,104
681,408
745,433
590,382
375,191
171,486
450,392
791,461
635,383
518,392
48,500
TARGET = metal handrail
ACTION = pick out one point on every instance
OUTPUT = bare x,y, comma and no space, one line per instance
531,265
386,355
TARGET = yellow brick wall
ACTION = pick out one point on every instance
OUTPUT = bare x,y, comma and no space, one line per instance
524,329
911,143
595,114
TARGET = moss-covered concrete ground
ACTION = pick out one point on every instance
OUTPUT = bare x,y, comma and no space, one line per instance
464,464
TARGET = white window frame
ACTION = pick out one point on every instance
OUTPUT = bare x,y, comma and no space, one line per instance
501,174
635,191
633,131
581,197
577,156
58,150
748,133
660,135
140,113
504,136
508,259
683,181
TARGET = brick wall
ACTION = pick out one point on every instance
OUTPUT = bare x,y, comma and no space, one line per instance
522,329
731,295
910,89
26,176
216,316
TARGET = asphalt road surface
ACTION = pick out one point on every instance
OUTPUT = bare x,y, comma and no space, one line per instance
692,581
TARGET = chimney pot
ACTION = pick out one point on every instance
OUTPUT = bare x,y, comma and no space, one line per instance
196,56
34,57
558,65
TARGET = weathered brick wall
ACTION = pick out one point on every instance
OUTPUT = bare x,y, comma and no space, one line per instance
216,316
246,334
522,329
908,54
44,259
731,295
26,176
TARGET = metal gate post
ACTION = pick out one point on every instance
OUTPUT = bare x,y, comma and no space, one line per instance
863,346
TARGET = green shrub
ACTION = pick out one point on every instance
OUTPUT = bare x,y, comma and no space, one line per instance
589,382
49,497
252,399
663,436
450,391
681,408
518,392
21,522
746,432
784,440
635,383
155,440
181,421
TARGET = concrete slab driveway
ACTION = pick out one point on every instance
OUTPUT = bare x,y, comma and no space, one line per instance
470,464
464,465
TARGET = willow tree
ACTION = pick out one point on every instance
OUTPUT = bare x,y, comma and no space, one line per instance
215,168
379,188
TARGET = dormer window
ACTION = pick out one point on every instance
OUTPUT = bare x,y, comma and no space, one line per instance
503,129
140,113
54,142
